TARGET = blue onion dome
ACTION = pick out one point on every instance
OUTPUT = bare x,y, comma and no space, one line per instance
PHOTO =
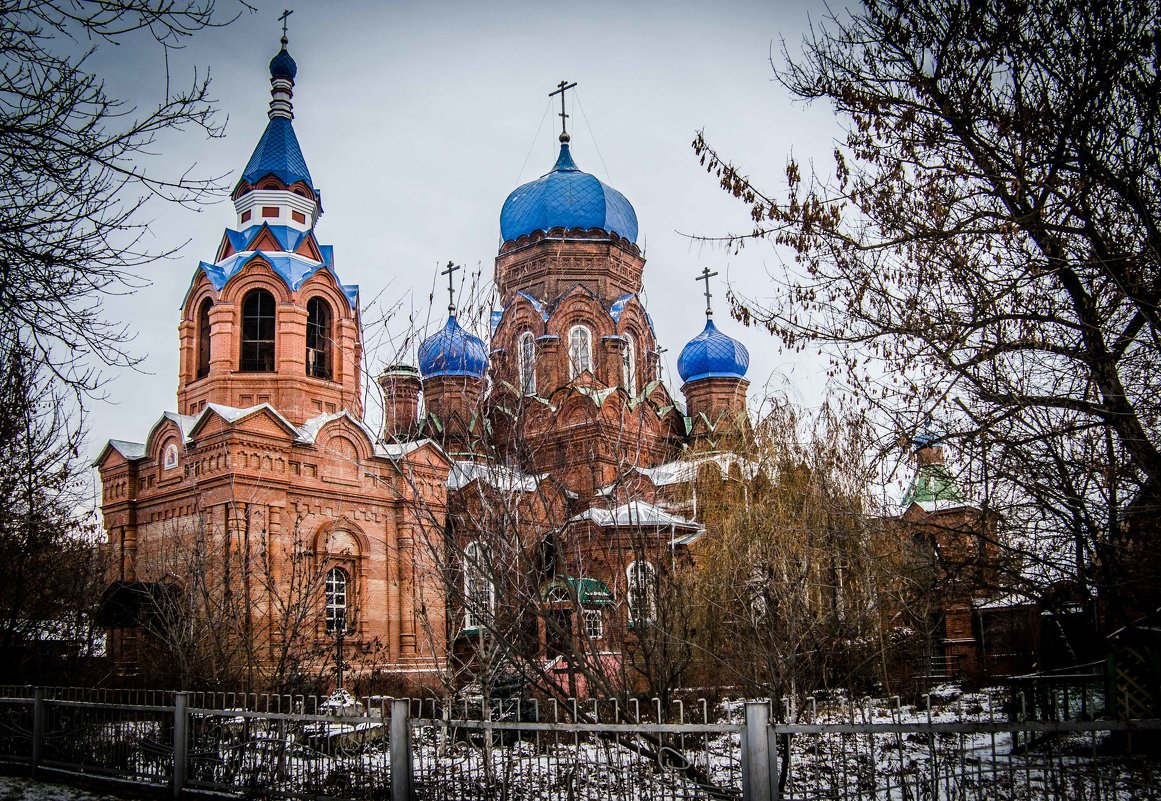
453,351
712,354
282,65
566,198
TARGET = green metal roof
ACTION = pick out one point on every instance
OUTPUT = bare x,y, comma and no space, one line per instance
587,591
933,483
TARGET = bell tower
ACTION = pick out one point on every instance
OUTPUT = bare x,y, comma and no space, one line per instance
268,320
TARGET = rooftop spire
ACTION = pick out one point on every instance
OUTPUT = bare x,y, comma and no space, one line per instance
561,88
706,275
282,73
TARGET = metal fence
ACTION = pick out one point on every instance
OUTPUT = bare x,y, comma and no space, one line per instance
186,743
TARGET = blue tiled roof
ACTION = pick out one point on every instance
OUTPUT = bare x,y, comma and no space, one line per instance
712,354
566,198
288,238
290,267
283,66
453,351
277,154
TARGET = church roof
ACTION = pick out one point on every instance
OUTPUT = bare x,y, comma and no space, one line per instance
278,154
712,354
635,513
934,489
496,476
453,351
292,268
566,197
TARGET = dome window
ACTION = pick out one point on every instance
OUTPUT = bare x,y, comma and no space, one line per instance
629,365
580,351
527,363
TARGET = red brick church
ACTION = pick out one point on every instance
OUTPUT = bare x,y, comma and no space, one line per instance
267,495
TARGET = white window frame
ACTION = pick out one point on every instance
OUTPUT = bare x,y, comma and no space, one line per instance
338,598
526,361
476,584
170,458
629,365
594,621
641,586
580,350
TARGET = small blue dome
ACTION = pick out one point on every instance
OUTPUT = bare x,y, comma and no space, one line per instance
566,198
453,351
712,354
283,66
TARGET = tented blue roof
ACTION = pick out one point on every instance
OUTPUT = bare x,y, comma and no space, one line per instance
278,154
566,198
453,351
712,354
290,267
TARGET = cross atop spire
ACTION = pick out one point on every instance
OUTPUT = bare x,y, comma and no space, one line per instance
285,13
706,275
451,291
561,88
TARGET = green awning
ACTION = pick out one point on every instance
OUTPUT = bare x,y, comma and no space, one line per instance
587,591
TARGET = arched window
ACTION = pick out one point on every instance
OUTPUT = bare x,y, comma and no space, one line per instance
479,594
642,585
527,363
337,600
318,338
203,335
629,365
258,330
580,351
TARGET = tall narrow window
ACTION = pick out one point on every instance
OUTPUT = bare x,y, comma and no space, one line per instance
204,338
337,598
629,365
318,338
479,594
258,332
642,585
527,363
580,351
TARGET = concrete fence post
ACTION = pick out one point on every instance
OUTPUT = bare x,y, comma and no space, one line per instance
759,755
400,750
180,741
37,728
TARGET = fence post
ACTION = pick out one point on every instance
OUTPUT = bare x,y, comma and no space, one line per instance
37,727
759,755
180,741
400,750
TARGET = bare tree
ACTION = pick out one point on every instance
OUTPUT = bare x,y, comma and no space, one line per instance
50,567
986,250
76,172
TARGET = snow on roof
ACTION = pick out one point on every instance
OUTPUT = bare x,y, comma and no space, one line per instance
684,471
130,450
636,513
1010,601
495,476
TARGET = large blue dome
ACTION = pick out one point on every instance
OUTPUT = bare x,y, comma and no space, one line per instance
453,351
566,198
712,354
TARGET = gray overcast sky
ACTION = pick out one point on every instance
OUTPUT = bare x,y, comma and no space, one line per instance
416,120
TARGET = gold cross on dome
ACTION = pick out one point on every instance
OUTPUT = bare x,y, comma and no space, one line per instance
561,88
706,275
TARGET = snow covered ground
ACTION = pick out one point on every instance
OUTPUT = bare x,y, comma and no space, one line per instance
18,788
